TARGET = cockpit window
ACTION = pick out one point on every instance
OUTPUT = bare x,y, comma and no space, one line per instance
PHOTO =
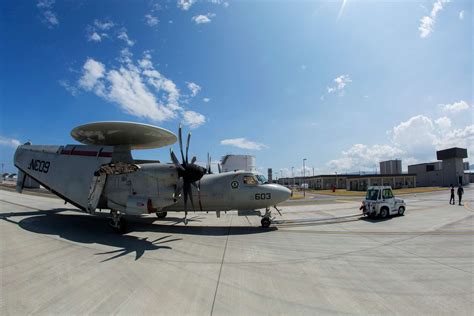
251,180
261,179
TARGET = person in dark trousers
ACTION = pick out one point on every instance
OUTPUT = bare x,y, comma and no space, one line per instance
460,193
452,200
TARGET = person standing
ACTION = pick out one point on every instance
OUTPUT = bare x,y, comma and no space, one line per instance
452,200
460,193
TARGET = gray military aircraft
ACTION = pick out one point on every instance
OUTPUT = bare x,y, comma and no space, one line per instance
101,174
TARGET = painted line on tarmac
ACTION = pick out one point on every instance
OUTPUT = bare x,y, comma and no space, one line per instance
22,205
467,206
312,220
381,233
346,201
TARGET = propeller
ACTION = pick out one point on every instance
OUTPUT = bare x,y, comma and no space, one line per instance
189,172
208,165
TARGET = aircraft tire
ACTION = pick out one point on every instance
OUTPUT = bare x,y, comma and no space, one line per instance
265,222
161,214
121,227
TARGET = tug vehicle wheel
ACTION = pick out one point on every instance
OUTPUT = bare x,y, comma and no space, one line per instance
384,212
401,211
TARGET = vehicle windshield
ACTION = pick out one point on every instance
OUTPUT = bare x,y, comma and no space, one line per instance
372,195
261,179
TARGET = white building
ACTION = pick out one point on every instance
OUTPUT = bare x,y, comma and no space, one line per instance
238,162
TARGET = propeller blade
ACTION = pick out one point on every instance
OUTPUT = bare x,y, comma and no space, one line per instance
176,161
185,192
191,198
219,167
193,160
199,195
208,167
181,142
187,146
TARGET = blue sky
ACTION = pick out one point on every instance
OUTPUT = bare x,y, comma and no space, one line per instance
344,84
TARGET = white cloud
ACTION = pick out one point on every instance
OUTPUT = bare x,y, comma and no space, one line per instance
185,4
461,15
151,20
415,140
455,107
95,37
203,19
206,100
220,2
127,89
461,137
444,123
48,16
70,88
193,119
104,25
124,37
137,87
9,142
194,88
428,21
243,143
99,30
92,71
339,84
363,157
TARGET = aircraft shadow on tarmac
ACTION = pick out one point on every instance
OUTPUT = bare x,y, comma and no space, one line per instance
86,229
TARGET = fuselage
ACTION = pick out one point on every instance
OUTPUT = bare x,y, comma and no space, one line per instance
237,190
72,172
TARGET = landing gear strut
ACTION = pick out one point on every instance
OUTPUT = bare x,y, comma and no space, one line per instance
266,220
118,223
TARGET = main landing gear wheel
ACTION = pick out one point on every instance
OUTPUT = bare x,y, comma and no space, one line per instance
161,214
265,222
118,223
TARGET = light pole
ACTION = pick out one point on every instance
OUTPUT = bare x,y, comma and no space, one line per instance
304,188
293,176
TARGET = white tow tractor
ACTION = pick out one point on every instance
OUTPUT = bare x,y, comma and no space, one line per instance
380,201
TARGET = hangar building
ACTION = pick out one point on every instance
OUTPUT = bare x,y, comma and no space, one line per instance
449,171
352,182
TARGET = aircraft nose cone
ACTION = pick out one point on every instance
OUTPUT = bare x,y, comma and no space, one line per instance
281,194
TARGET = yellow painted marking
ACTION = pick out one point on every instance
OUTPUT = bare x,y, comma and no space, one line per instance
468,207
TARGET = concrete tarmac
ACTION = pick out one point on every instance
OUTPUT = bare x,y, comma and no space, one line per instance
316,260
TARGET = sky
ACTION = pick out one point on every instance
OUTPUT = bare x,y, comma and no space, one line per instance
344,84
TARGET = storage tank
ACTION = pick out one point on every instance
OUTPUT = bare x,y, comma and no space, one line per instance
238,162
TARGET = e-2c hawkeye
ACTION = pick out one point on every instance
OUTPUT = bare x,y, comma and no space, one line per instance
102,174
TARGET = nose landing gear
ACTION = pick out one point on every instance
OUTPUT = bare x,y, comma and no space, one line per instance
266,222
118,223
267,218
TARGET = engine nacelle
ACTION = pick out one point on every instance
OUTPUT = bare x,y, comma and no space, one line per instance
152,186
